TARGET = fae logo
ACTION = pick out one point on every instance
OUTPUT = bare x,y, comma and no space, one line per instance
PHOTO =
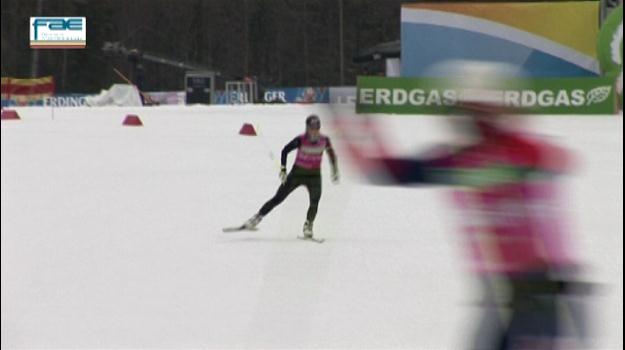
58,32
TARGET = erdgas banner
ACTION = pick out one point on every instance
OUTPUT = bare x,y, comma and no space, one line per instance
437,96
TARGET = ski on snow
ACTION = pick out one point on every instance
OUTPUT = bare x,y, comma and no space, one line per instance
238,229
243,228
312,239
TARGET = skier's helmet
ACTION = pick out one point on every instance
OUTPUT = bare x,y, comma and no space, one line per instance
313,122
480,85
481,88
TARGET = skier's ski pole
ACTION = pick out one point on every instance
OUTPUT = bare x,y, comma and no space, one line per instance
271,154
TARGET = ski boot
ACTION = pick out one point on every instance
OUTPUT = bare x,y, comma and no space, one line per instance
308,229
253,222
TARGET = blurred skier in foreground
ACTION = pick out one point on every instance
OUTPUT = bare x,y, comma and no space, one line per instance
506,189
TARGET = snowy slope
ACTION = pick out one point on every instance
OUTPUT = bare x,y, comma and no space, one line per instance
111,235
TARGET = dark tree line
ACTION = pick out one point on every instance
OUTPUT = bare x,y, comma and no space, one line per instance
281,42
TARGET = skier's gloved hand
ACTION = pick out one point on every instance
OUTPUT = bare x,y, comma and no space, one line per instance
283,174
335,175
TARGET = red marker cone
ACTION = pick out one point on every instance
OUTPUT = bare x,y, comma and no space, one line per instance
247,130
132,120
9,114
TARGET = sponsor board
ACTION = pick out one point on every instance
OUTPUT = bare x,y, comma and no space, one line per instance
167,97
296,95
438,96
66,100
343,95
26,92
543,38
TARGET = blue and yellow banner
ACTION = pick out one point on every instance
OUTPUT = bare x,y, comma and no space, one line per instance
545,39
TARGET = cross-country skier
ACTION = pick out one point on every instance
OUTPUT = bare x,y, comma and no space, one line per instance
305,172
507,187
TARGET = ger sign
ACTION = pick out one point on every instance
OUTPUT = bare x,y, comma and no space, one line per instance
58,32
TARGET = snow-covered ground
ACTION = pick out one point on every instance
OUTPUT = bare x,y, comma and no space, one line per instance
111,235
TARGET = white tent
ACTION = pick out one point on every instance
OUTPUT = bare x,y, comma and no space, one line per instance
117,95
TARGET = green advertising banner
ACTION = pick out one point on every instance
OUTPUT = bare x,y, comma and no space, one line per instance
438,96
